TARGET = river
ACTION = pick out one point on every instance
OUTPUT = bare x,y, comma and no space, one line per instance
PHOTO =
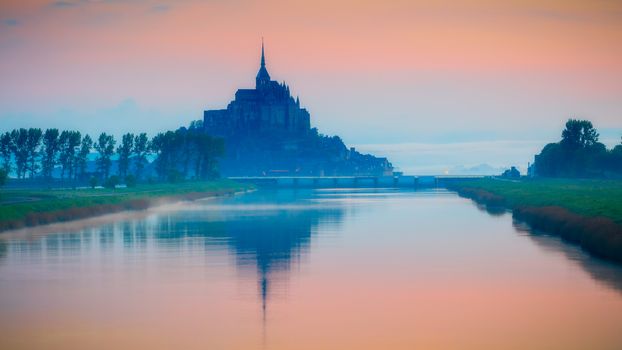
306,269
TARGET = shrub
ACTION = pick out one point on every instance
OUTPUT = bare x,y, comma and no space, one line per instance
598,235
130,181
92,181
111,182
3,177
481,196
174,176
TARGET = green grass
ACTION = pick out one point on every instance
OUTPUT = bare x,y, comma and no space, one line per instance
589,198
18,204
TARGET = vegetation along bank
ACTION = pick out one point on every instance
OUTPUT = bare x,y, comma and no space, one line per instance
25,208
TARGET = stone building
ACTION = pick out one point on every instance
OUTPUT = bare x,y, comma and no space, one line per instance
266,132
268,108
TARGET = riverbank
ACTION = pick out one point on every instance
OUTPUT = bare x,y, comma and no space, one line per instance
585,212
27,208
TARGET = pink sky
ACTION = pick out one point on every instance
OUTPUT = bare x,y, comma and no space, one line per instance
375,72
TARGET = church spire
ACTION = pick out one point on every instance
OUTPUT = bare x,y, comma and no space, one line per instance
263,78
263,57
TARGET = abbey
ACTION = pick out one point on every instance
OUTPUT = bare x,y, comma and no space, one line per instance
268,107
266,132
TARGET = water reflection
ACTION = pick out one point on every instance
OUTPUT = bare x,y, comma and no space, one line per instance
264,238
264,232
608,273
601,271
3,249
443,276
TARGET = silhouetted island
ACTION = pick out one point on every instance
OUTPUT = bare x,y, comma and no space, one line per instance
266,132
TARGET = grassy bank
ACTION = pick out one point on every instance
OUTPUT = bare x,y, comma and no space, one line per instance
23,208
586,212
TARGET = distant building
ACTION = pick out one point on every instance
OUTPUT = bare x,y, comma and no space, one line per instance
266,132
511,173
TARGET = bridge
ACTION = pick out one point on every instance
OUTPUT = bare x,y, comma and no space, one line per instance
351,181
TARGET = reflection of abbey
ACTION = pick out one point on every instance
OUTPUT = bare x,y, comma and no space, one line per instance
267,133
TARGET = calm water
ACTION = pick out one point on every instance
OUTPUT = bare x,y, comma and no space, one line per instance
326,269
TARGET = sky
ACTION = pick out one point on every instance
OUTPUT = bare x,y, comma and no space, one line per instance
434,85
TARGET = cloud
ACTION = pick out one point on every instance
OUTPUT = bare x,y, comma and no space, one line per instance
63,4
558,15
11,22
160,8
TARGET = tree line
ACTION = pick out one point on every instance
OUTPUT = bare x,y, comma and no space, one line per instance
579,154
181,154
187,152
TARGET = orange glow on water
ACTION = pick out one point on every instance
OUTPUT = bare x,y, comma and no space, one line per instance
353,271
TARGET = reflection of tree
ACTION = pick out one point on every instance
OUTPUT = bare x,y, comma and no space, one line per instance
3,248
601,271
491,209
265,232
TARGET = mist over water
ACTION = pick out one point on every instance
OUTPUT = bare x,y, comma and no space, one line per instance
306,269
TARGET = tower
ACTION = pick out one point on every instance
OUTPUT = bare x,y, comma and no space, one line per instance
263,78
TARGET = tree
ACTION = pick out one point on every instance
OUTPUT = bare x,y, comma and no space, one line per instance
616,159
63,158
20,140
196,125
578,154
208,149
141,147
74,142
177,151
199,143
130,180
33,142
92,181
81,158
216,151
105,147
111,182
125,151
579,134
51,147
7,148
3,177
511,173
69,142
582,154
162,146
185,148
